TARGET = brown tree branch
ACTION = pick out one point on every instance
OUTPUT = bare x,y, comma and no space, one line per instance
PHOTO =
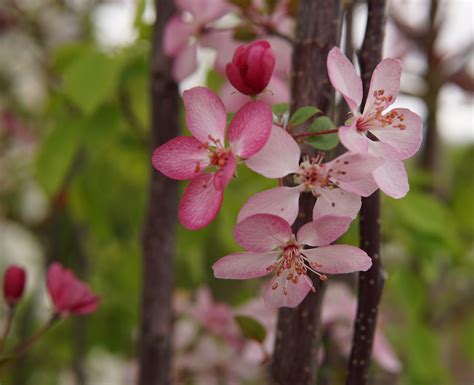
159,233
371,282
295,359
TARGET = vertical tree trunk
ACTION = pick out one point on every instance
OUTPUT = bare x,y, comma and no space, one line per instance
370,282
298,333
160,227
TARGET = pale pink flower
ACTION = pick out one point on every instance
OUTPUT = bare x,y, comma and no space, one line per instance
338,184
272,247
183,31
395,135
338,313
204,159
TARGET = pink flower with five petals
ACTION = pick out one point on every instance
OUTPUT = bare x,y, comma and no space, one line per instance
395,135
272,247
338,184
204,159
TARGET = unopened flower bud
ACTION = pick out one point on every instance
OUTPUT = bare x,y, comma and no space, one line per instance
251,67
14,281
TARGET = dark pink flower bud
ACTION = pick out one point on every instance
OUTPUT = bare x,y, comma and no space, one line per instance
69,294
14,281
251,67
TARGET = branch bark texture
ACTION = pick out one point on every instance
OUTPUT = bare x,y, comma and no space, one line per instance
298,332
371,282
159,233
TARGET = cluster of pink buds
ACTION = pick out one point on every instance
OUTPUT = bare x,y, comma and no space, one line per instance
377,144
69,296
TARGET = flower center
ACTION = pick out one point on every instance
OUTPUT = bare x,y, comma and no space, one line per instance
219,157
294,265
313,173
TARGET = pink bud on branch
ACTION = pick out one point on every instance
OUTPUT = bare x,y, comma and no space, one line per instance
251,67
14,281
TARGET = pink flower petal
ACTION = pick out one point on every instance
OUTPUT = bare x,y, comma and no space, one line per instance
384,355
262,232
204,11
205,114
344,78
185,62
351,167
180,158
279,157
244,265
363,187
352,139
296,292
250,129
225,174
391,177
281,201
177,33
386,78
336,202
224,44
339,259
200,202
232,99
405,141
323,231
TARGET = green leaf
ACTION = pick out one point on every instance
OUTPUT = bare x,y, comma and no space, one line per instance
244,33
323,142
303,114
280,109
56,154
90,79
214,80
251,328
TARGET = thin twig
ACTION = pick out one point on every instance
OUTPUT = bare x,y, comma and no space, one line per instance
300,137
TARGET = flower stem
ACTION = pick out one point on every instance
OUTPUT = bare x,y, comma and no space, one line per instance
301,137
6,326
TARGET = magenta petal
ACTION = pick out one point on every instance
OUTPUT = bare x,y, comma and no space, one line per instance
279,157
180,158
336,202
205,114
323,231
406,141
352,139
225,174
250,129
185,62
386,77
177,33
235,78
281,201
244,265
296,292
339,259
262,232
200,203
344,78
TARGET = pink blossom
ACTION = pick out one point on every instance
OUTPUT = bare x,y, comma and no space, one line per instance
395,135
69,294
14,280
204,159
338,184
251,67
338,313
183,32
272,247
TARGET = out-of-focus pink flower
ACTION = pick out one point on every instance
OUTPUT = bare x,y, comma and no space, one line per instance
187,157
338,313
14,280
251,67
69,294
265,22
272,246
398,133
183,31
338,184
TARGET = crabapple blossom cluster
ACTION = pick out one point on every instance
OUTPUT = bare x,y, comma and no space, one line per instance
68,294
377,143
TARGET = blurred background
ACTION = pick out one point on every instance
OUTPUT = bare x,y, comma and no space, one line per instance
74,171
